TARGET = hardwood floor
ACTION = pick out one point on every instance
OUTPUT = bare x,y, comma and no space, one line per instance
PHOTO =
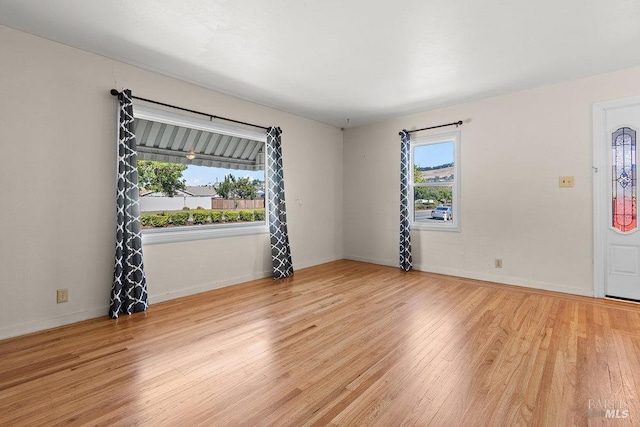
344,343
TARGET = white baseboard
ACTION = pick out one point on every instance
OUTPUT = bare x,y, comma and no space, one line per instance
378,261
302,265
514,281
156,298
236,280
52,322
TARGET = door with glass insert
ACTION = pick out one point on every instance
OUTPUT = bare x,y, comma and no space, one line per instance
622,235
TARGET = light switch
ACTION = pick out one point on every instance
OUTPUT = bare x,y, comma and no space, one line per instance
566,181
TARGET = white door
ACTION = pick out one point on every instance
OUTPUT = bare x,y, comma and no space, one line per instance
617,237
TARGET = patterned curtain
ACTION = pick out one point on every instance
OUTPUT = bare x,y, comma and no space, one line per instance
129,290
406,262
280,251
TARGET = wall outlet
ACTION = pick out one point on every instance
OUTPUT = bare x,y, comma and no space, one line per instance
62,295
498,263
565,181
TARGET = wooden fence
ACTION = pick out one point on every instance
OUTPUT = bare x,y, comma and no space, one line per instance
237,204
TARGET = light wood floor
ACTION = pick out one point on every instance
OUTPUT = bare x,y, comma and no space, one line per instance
345,343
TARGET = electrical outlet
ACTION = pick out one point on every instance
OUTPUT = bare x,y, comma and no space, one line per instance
62,295
565,181
498,263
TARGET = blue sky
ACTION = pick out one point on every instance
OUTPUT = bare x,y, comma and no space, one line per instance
425,155
433,154
203,175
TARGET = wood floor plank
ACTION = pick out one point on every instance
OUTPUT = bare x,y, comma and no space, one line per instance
344,343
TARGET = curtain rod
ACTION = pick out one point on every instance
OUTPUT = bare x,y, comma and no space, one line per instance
458,123
115,92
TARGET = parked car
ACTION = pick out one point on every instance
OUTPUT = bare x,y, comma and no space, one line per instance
442,212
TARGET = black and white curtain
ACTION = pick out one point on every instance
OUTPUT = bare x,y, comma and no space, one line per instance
129,289
406,262
280,251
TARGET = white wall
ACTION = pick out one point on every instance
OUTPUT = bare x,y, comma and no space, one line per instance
58,159
514,148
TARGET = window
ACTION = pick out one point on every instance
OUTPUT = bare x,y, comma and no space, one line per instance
435,182
198,179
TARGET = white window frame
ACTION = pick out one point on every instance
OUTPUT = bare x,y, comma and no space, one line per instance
201,232
454,225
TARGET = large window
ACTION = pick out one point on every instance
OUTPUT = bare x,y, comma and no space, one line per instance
435,182
198,179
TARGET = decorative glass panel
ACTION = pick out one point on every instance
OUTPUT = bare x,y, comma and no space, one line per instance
624,183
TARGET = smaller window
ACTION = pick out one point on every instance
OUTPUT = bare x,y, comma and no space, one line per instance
435,182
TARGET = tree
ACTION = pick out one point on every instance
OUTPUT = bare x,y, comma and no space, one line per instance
227,187
242,188
419,193
245,189
417,175
440,194
161,176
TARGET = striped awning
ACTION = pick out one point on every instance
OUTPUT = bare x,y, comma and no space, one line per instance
170,143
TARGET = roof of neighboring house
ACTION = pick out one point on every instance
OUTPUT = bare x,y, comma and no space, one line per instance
191,190
150,193
202,190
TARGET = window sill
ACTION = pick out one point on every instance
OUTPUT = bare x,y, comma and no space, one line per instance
435,227
201,232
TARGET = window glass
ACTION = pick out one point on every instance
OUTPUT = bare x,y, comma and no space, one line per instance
198,177
435,182
183,195
435,162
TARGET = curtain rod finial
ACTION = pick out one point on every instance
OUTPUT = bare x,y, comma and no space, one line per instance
114,92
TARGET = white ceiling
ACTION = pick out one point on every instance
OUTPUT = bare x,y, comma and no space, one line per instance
348,62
